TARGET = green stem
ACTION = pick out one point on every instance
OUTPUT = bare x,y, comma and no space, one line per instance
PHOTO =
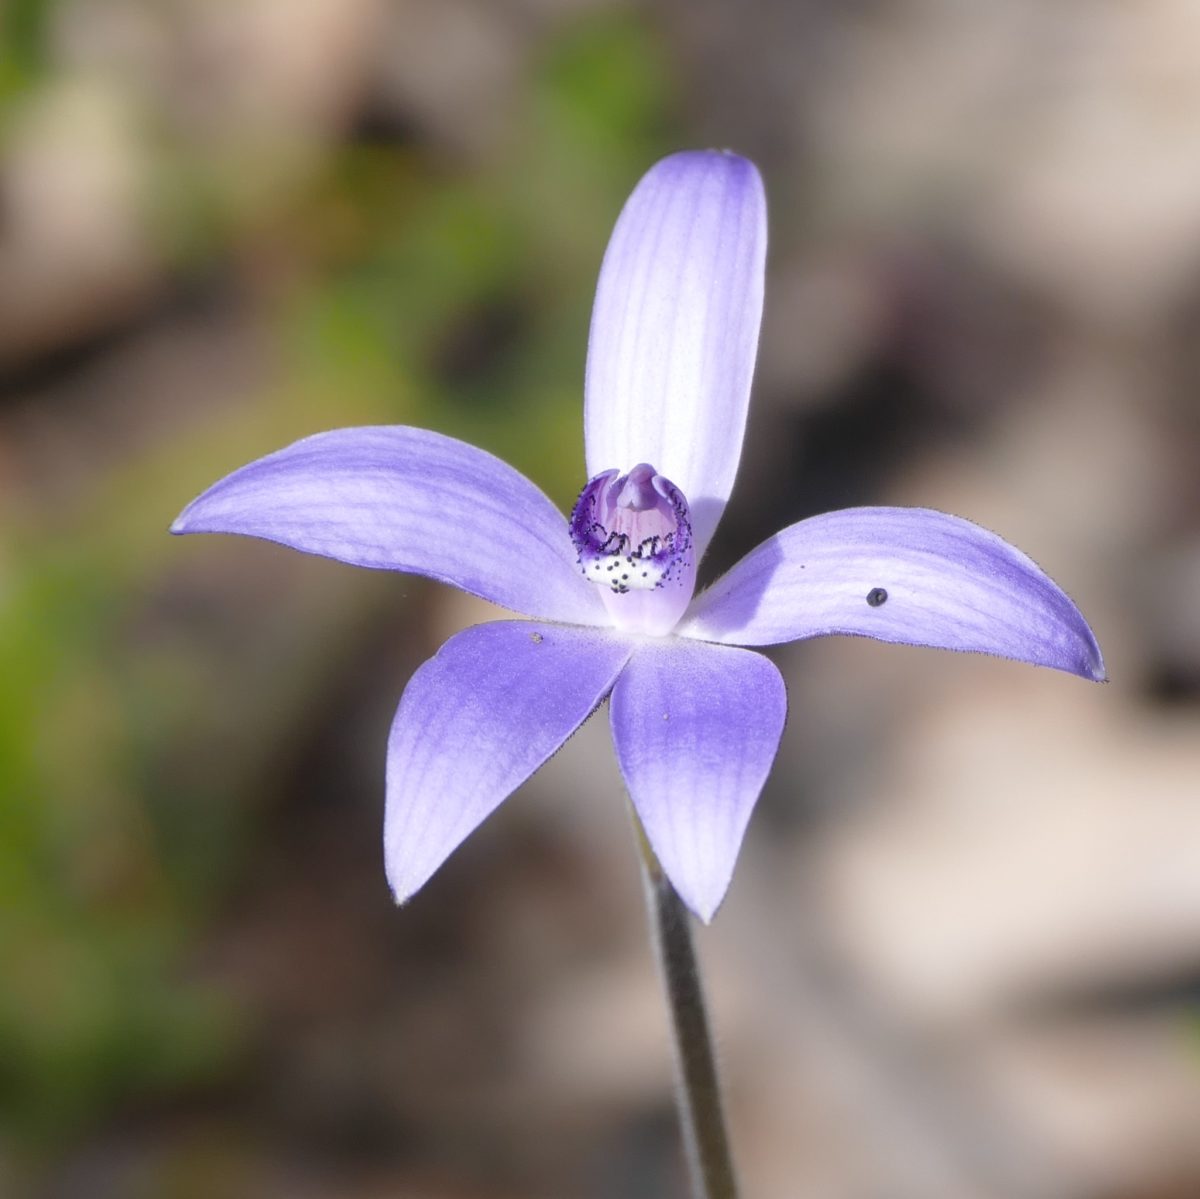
699,1096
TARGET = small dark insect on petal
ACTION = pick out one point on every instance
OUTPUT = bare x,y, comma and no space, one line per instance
876,596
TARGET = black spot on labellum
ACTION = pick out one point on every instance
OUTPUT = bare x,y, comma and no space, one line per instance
876,596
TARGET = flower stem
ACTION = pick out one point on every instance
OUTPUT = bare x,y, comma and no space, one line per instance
698,1098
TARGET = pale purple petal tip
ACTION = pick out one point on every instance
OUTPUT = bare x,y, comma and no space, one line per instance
398,498
907,575
475,722
696,728
675,328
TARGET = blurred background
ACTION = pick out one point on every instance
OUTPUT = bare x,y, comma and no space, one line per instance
961,955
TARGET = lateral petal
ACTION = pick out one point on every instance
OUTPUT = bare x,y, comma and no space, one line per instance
475,722
907,575
696,728
675,328
398,498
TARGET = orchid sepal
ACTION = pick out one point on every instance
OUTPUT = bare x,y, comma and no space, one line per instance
909,575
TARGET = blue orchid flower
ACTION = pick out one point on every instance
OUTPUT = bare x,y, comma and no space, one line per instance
609,595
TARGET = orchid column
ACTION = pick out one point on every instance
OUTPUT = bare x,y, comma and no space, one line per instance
608,596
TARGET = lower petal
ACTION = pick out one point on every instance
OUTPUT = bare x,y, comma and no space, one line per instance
909,575
475,722
696,728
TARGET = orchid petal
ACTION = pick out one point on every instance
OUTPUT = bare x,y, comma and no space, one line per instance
675,329
475,722
908,575
696,728
398,498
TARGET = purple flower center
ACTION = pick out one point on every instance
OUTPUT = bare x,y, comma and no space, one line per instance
632,532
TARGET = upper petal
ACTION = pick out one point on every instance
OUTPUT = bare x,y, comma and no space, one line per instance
398,498
696,728
932,579
675,328
475,722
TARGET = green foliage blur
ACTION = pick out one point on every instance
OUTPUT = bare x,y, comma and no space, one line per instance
411,291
